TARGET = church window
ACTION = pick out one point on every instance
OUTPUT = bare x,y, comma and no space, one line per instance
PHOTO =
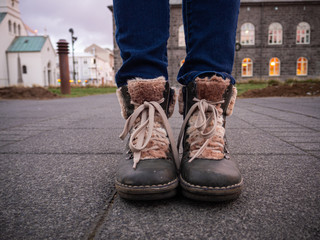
24,69
10,26
14,28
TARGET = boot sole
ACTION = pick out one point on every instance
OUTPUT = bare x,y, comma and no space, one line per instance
211,194
148,192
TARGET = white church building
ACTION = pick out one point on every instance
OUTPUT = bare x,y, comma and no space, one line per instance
24,60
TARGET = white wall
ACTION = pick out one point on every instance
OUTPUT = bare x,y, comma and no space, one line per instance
32,61
5,41
48,64
37,66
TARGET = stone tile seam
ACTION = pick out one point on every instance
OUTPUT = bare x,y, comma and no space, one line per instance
22,139
298,125
290,143
281,110
55,118
95,228
57,153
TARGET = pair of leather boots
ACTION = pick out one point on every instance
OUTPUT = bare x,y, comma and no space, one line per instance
152,168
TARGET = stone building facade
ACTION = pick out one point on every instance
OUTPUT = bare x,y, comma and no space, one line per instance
268,39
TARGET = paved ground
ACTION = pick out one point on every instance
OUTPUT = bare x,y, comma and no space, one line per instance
58,160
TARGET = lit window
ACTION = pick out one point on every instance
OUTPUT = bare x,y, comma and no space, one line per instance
10,26
275,33
247,34
302,66
246,67
182,62
303,33
181,41
24,69
274,67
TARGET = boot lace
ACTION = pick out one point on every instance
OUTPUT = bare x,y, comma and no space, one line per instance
205,127
145,130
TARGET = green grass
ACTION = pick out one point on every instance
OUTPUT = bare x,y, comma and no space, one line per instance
243,87
83,91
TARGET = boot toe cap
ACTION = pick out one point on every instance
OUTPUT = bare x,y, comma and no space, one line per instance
149,172
211,173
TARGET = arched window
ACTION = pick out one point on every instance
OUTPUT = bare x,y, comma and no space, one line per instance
303,33
24,69
302,66
10,26
274,67
19,30
246,67
275,33
14,28
247,34
181,41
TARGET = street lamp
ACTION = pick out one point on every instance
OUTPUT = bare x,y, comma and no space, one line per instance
73,39
237,48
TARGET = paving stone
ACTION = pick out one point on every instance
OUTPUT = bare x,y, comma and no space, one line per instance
280,200
255,141
308,146
4,142
70,141
295,133
53,196
12,137
65,194
304,139
315,153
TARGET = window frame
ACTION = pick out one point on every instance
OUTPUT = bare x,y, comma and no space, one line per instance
10,26
274,28
24,69
181,36
248,62
302,62
279,62
251,33
14,28
305,35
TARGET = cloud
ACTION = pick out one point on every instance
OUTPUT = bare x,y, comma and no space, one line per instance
91,20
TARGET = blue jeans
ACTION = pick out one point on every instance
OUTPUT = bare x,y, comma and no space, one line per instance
142,32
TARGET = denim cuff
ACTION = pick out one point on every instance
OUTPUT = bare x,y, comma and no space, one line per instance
191,76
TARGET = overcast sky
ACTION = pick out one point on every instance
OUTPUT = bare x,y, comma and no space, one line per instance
91,20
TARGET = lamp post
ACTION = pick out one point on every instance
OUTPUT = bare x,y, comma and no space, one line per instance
237,48
73,39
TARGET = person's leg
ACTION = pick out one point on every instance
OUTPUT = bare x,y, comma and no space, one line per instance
210,34
148,171
142,31
207,172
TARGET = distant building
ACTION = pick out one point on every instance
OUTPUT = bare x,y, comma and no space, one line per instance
94,66
280,39
24,60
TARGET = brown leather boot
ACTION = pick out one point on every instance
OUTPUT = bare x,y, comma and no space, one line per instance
149,170
207,172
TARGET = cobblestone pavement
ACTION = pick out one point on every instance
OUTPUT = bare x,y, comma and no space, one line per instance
58,160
